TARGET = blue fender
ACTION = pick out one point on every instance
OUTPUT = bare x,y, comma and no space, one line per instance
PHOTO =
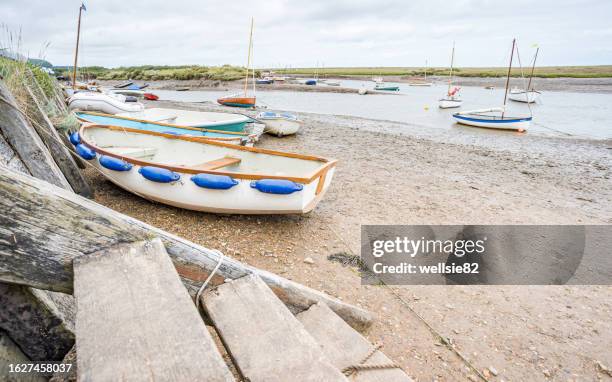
277,186
114,164
158,174
75,138
215,182
85,152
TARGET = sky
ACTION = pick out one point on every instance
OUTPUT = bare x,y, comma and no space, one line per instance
330,33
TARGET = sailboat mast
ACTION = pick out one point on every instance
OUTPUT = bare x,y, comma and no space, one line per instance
76,52
450,75
533,68
246,78
425,70
508,77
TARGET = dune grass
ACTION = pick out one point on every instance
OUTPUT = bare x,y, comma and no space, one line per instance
543,72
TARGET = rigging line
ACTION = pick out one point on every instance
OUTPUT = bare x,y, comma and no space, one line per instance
518,58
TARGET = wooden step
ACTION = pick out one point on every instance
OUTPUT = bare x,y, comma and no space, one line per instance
136,321
344,346
266,342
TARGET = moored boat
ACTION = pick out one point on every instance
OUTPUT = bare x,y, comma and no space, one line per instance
332,83
205,175
382,86
100,102
127,122
237,101
204,119
151,97
279,124
127,92
493,118
264,81
310,82
519,95
451,99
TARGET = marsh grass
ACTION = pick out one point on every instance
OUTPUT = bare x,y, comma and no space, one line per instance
602,71
157,73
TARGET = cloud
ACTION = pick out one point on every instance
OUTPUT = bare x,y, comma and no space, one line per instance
307,33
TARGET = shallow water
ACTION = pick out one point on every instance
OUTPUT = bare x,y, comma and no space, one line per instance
557,113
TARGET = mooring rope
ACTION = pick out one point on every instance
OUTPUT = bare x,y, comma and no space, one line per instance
361,366
210,276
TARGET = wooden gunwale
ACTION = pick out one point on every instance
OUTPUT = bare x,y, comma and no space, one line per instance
163,124
328,163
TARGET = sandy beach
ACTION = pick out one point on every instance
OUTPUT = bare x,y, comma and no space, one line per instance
508,333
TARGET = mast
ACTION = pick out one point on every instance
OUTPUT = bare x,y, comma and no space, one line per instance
508,78
450,75
533,68
76,52
246,78
425,70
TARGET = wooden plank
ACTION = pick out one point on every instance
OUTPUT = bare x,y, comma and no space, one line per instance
217,163
34,323
26,143
264,339
60,154
344,347
136,321
11,354
44,228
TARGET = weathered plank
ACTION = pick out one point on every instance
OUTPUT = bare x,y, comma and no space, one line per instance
11,354
264,339
43,228
136,321
60,154
344,347
34,323
26,143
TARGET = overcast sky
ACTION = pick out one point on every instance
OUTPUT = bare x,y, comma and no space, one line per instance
314,32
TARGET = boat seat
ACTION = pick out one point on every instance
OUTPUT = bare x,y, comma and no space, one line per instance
217,163
133,152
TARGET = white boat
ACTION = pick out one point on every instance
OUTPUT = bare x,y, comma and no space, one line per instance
204,175
524,95
493,118
279,124
520,95
378,80
104,103
362,91
202,119
332,83
496,118
451,99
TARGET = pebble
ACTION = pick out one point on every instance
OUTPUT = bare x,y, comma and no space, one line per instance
546,373
493,370
308,260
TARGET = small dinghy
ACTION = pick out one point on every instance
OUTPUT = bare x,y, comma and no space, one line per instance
151,97
100,102
310,82
264,81
382,86
279,124
235,138
332,83
237,101
493,118
205,175
203,119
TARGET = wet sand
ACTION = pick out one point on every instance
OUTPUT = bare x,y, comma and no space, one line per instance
384,177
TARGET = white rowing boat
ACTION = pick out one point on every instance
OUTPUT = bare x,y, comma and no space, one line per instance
494,118
104,103
451,99
279,124
520,95
203,175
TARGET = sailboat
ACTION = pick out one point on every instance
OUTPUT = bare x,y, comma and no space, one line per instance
451,99
495,118
528,95
424,82
243,100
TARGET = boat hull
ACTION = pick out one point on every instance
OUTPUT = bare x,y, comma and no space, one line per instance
446,103
523,96
156,167
420,84
114,120
237,101
104,103
202,119
516,124
387,88
280,126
